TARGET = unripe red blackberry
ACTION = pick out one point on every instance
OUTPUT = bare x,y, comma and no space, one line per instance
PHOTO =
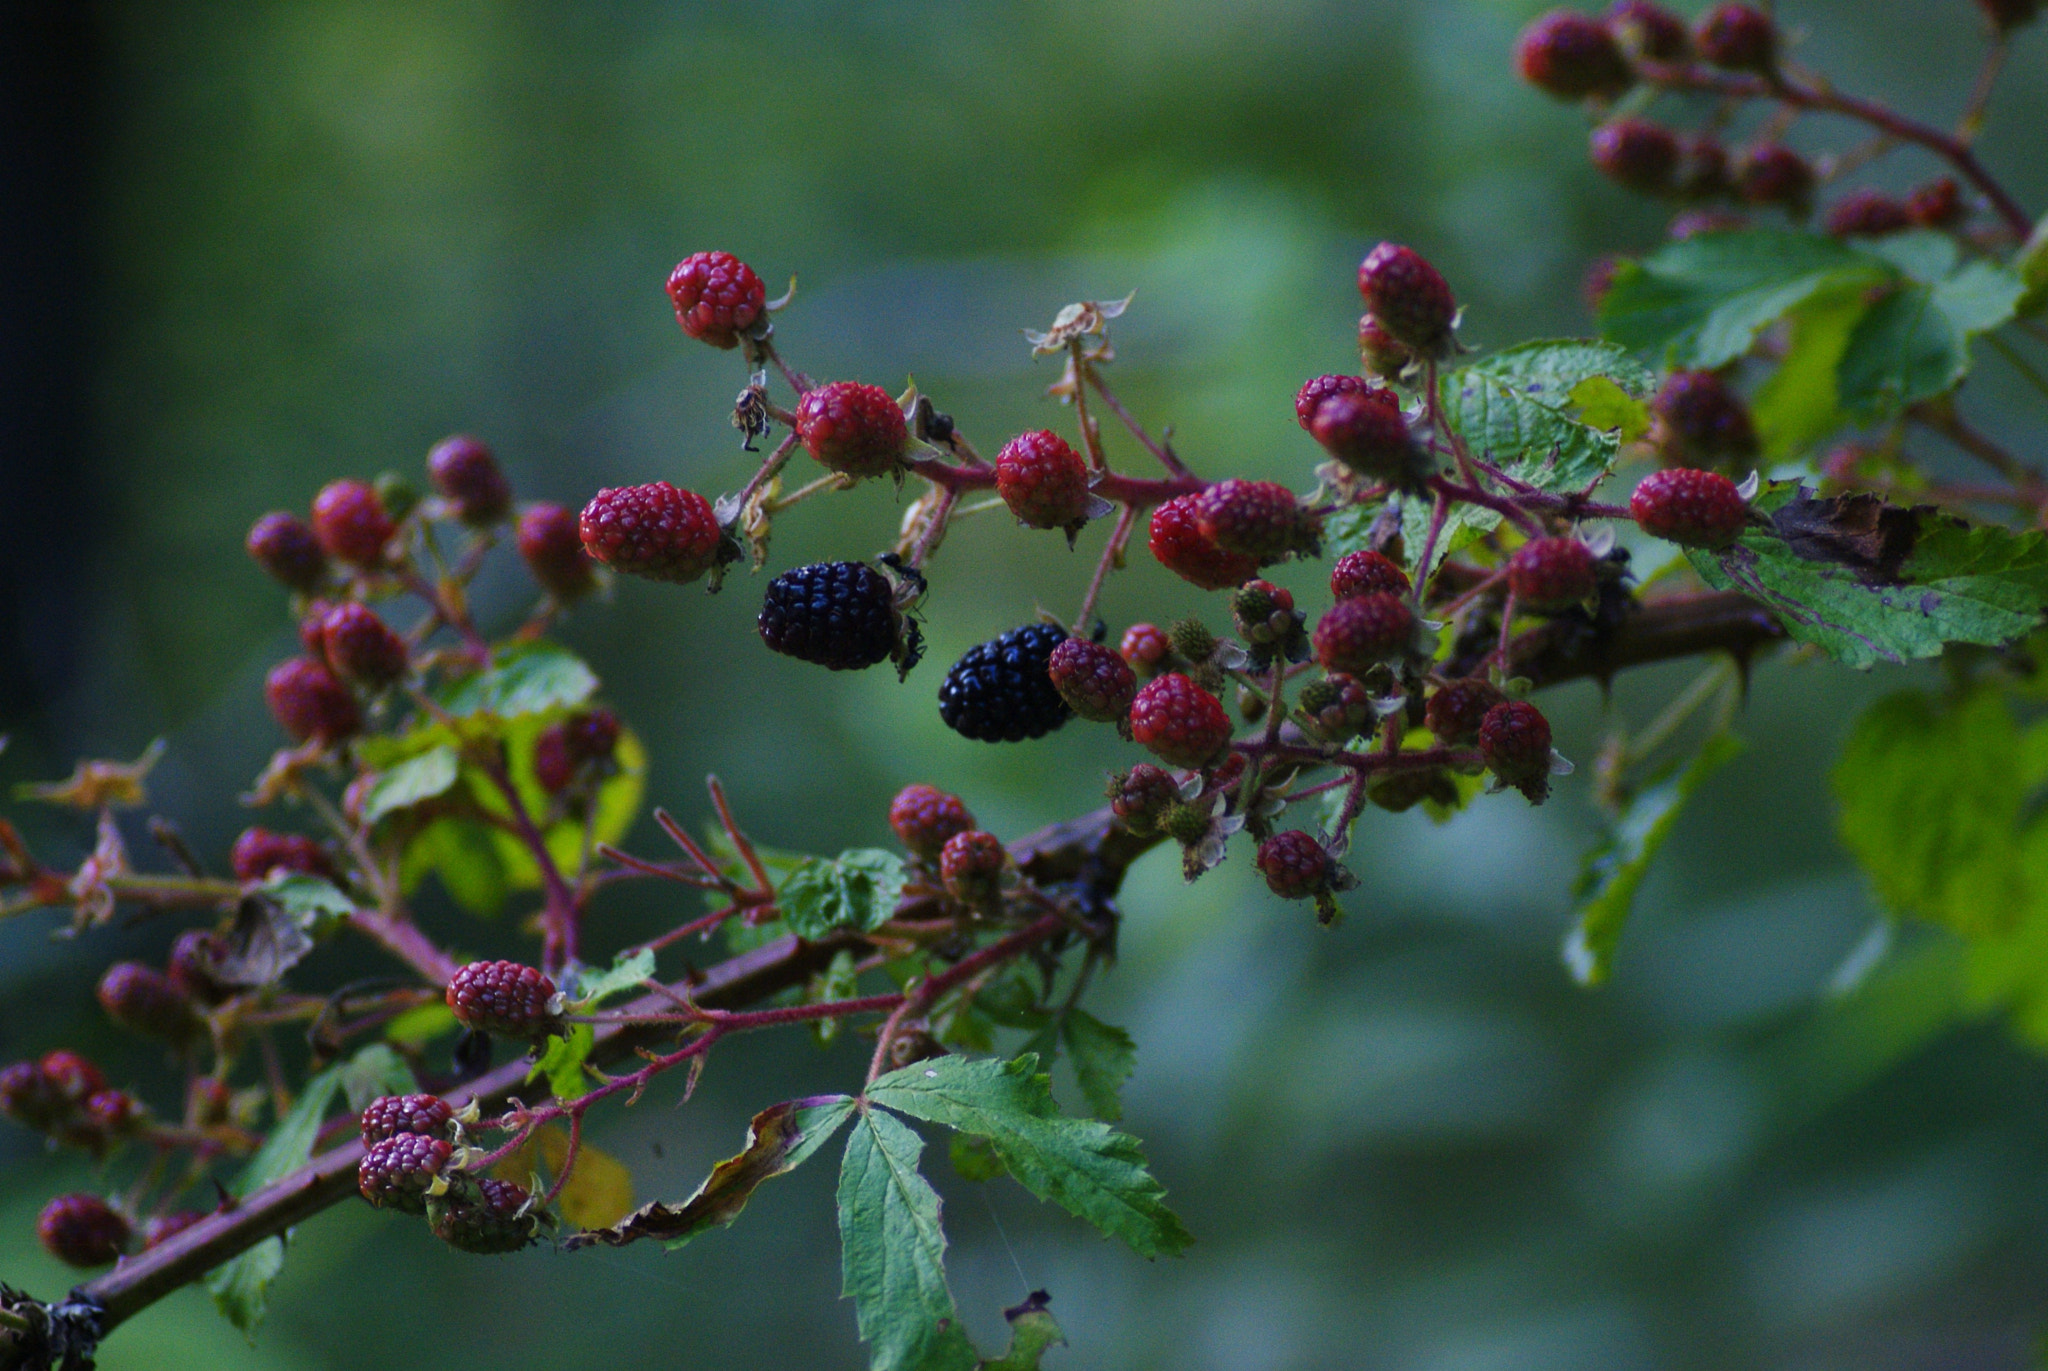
1371,438
1551,574
467,474
395,1173
1702,168
2007,15
30,1098
1146,647
161,1229
1514,738
1867,213
1179,722
193,963
144,1000
1379,351
1141,796
72,1075
840,615
565,749
1455,712
1259,519
1366,572
350,521
490,1224
1737,38
1001,691
361,647
1317,389
308,702
1410,297
851,427
1697,421
1936,205
258,852
1649,31
1096,683
507,998
1043,480
106,1117
286,549
657,531
1296,866
1572,56
1772,174
553,551
717,297
389,1115
1337,708
1175,537
1638,154
1359,633
83,1230
1690,508
925,818
971,865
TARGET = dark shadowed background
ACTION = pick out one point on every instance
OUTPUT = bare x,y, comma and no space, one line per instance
250,247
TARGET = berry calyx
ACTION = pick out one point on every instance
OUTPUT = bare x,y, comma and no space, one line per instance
396,1173
1370,437
1146,647
1359,633
30,1098
1690,508
552,549
568,749
1179,722
145,1000
1773,174
350,522
1336,708
1296,866
1317,389
1551,574
1867,213
1001,691
1737,38
83,1230
1514,738
1096,683
656,531
1366,572
389,1115
507,998
1258,519
1648,31
287,551
1572,56
1142,795
925,818
360,646
1380,352
1410,297
1265,617
258,852
1638,154
717,297
1043,480
852,427
466,473
971,866
1455,712
496,1220
309,703
1176,539
840,615
1698,421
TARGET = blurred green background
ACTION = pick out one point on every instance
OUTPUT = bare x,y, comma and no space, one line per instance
311,239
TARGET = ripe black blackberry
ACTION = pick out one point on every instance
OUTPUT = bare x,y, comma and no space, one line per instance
1001,692
840,615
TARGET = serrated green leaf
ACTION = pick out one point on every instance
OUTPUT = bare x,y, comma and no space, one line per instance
561,1061
893,1252
1103,1058
857,889
530,679
1088,1168
1702,302
411,781
1613,872
241,1287
1798,405
1871,583
627,971
374,1071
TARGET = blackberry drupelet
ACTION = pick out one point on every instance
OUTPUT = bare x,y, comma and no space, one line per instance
840,615
1001,692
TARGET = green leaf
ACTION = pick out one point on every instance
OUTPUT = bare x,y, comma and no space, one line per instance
312,902
465,855
1870,582
374,1071
626,972
241,1287
531,679
1103,1059
780,1138
1702,302
561,1061
857,889
1798,405
1613,872
2030,264
422,1024
1032,1333
419,778
893,1252
1914,343
1088,1168
837,982
974,1159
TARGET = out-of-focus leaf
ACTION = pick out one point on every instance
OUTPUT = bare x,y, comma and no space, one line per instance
411,781
1032,1333
241,1287
893,1252
561,1061
857,889
1614,871
1914,343
374,1071
422,1024
1103,1059
275,927
837,982
1798,404
974,1159
626,972
527,680
464,854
